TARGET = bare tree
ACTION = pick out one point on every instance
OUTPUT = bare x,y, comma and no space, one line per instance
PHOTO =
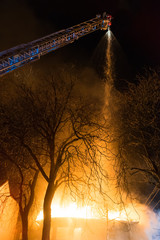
59,127
137,129
21,171
22,177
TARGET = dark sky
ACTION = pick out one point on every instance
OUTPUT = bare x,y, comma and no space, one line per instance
135,25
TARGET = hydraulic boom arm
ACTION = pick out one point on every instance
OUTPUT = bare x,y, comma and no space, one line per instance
18,56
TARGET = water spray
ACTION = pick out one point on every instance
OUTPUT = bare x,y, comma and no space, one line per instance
109,74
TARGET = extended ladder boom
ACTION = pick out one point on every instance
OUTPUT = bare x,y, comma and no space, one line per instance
25,53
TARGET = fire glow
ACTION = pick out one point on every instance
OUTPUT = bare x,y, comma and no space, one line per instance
70,211
123,215
87,212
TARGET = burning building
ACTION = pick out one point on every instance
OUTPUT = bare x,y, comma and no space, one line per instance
89,229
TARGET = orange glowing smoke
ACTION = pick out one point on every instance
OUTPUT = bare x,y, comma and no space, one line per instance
8,214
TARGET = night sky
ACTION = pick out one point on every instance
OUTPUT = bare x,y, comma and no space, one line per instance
135,25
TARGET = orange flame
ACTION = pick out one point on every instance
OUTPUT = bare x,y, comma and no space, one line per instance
87,212
72,210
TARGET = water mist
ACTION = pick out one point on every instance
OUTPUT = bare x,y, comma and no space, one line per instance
147,222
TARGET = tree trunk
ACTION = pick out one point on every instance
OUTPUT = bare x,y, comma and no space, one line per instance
24,226
18,227
47,211
25,212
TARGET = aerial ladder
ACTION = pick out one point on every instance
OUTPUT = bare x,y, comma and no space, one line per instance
25,53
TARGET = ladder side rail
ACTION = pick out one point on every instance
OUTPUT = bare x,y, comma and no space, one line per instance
32,52
22,46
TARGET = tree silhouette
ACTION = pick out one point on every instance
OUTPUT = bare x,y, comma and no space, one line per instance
63,132
138,132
